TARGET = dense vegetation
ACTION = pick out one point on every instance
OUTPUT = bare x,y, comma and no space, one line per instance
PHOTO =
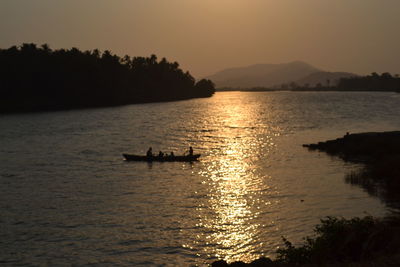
373,82
341,240
39,78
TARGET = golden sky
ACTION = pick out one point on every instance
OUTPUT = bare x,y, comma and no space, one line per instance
206,36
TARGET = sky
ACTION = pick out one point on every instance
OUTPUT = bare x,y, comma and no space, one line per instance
206,36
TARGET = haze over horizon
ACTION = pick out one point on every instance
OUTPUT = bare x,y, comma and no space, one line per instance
207,36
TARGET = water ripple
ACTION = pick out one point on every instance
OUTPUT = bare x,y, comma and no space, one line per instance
68,198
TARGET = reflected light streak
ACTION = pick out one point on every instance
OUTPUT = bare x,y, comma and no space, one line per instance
234,191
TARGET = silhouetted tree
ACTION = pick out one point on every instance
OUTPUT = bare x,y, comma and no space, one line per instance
204,87
38,78
373,82
293,85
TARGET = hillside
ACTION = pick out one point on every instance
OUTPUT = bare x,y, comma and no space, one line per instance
274,75
262,75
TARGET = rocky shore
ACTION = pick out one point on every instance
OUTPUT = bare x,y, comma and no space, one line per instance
361,147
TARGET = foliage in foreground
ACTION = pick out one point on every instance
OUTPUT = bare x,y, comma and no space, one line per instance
345,240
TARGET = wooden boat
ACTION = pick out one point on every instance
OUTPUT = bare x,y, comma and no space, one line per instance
186,158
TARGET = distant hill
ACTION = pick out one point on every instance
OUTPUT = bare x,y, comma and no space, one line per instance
262,75
273,75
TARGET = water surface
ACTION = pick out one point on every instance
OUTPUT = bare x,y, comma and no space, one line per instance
67,197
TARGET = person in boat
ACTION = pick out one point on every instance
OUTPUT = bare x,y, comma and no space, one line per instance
190,151
149,152
161,154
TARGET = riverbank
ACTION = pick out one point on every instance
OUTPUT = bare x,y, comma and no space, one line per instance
359,241
380,154
365,147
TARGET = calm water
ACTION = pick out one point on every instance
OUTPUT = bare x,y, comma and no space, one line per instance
67,197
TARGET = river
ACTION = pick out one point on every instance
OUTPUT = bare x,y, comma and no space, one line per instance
67,197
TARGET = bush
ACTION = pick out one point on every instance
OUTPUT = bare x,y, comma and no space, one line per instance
344,240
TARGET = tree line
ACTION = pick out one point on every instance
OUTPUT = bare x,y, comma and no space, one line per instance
373,82
38,78
385,82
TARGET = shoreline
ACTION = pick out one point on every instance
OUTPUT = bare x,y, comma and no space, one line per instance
332,89
57,109
364,241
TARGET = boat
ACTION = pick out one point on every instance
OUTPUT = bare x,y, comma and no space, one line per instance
168,158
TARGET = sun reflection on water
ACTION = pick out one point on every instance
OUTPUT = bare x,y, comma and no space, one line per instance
234,194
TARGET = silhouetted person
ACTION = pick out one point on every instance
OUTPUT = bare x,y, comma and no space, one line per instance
160,154
149,152
190,151
172,154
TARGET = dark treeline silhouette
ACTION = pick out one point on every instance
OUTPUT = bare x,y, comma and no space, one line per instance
36,78
373,82
385,82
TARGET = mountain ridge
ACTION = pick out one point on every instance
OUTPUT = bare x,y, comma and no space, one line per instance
274,75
